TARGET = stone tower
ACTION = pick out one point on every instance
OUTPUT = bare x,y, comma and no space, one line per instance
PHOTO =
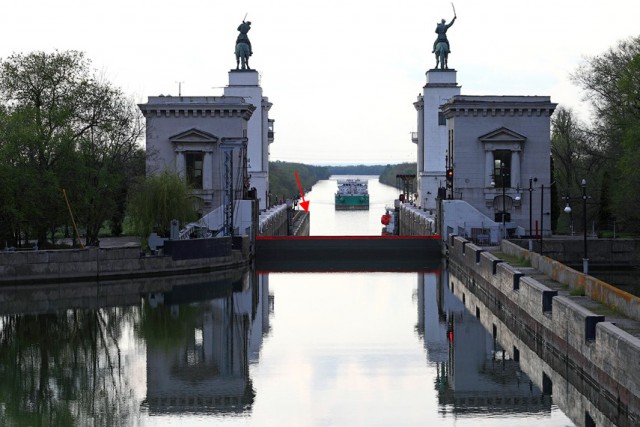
245,84
432,138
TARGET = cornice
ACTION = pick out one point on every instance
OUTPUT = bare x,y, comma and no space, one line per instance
197,107
492,106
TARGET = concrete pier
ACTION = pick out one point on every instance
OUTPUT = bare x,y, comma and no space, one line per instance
594,347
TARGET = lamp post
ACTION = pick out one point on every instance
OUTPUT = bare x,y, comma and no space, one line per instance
585,260
504,207
567,209
530,205
541,216
504,197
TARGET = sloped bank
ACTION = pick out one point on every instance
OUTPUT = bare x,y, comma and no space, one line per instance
589,351
94,263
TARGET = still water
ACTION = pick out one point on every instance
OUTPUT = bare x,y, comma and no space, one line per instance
242,349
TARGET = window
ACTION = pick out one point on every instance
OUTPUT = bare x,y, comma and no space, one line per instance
502,168
194,169
441,120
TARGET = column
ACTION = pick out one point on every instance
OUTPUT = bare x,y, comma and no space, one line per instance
515,169
488,167
181,168
207,170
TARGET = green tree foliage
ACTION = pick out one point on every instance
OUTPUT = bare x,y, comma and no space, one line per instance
282,179
356,170
158,199
388,175
572,160
612,84
62,127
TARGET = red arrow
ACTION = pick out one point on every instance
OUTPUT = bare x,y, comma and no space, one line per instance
305,205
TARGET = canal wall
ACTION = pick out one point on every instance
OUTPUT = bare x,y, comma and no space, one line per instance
283,221
576,342
415,221
606,252
95,263
571,400
594,288
93,294
273,221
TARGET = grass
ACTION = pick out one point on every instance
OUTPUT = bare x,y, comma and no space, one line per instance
513,260
577,292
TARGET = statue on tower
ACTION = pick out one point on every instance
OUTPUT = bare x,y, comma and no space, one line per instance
441,46
243,46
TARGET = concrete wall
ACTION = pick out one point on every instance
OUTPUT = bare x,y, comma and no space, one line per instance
102,263
569,398
596,350
610,252
415,221
594,288
273,221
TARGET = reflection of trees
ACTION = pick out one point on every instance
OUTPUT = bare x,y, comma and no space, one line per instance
64,368
165,329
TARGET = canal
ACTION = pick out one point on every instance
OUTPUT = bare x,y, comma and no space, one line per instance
248,349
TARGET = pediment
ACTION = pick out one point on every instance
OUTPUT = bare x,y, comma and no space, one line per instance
194,136
502,135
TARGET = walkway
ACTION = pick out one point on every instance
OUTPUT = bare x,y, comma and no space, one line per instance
611,314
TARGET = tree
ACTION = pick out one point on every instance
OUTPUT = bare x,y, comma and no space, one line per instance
612,84
156,201
62,128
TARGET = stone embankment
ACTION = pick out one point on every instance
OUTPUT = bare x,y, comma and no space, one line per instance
596,346
281,220
113,262
415,221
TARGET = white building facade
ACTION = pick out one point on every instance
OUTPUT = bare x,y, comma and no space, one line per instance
204,139
201,137
499,149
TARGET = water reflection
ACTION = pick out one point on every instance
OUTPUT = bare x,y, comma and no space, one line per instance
475,375
65,368
77,361
509,349
192,348
198,351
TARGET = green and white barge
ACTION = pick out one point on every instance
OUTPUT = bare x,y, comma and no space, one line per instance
352,194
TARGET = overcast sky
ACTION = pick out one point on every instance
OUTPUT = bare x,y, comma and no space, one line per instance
342,75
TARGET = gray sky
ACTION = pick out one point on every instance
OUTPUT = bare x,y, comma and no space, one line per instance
342,75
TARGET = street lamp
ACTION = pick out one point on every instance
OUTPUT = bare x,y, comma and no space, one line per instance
504,196
567,209
531,181
585,260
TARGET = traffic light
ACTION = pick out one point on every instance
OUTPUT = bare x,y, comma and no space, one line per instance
450,175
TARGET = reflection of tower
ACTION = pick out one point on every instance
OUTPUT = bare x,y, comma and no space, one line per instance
204,364
481,376
435,300
260,324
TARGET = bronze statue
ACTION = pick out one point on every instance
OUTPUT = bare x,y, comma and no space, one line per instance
243,46
441,46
